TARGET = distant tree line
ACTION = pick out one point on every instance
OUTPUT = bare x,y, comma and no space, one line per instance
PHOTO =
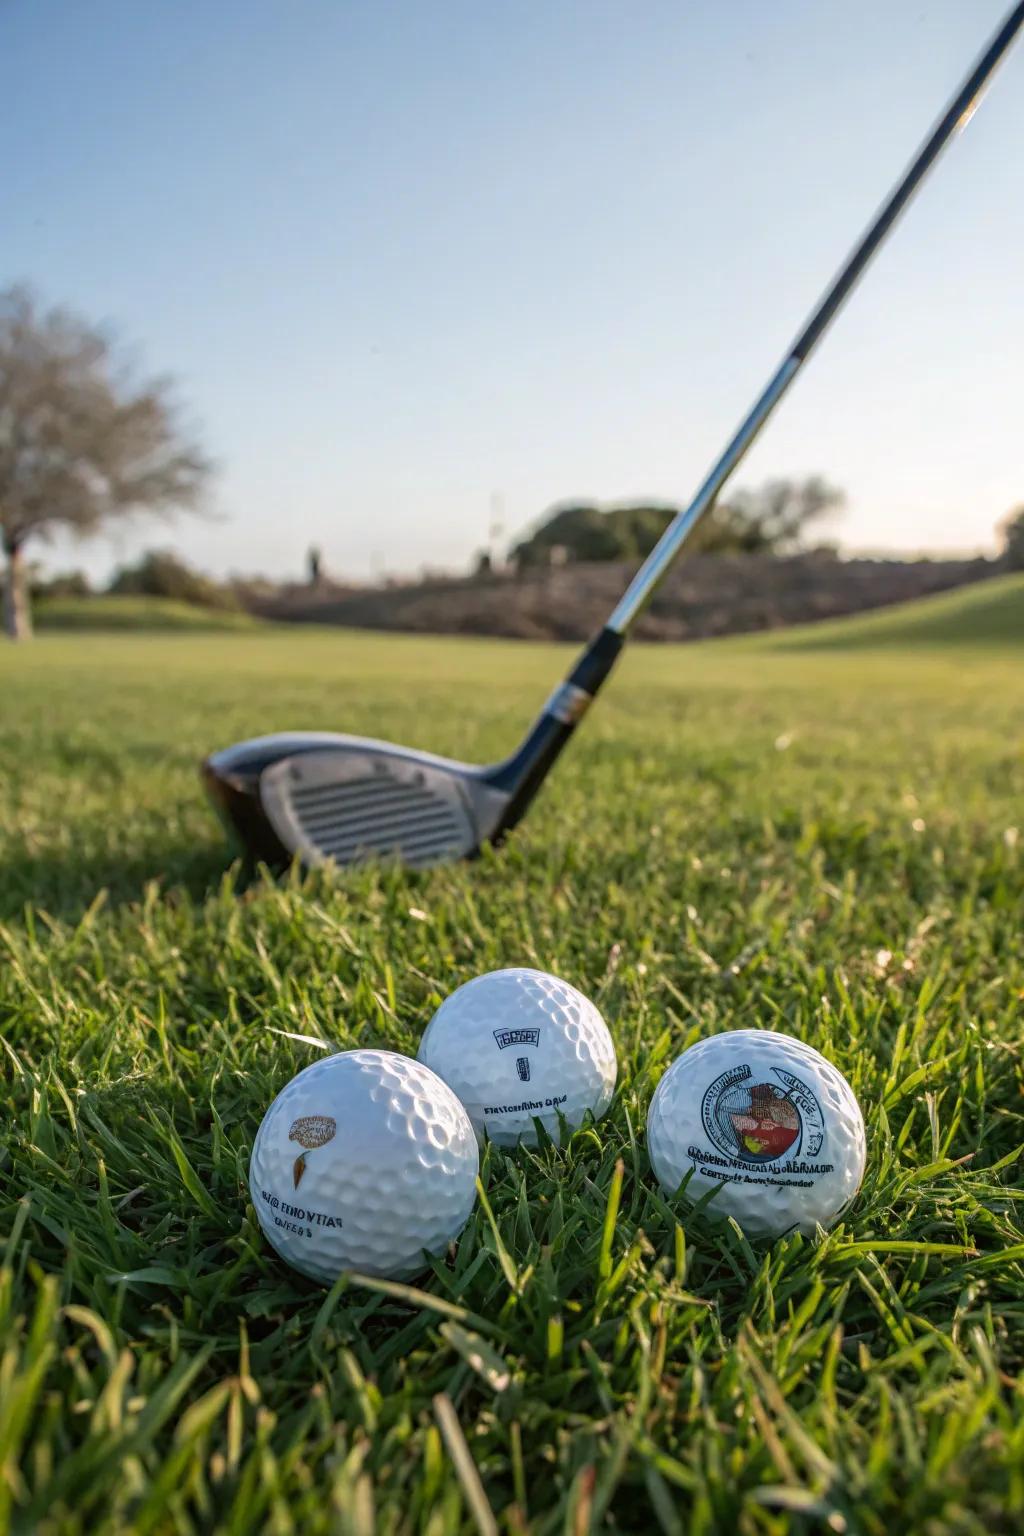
158,573
773,519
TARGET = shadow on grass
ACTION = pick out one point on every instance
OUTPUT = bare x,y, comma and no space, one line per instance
65,884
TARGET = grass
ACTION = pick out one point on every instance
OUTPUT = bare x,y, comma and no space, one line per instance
984,613
135,613
816,841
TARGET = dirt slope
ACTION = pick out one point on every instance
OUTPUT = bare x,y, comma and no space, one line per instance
707,595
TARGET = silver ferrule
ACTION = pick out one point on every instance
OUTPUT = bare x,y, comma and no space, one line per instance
568,703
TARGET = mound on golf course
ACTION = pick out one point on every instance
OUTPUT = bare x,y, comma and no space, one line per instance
138,613
987,613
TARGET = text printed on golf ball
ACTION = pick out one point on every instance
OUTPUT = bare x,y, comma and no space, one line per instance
764,1124
296,1218
519,1047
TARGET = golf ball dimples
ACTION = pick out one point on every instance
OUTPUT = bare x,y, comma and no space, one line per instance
519,1045
363,1160
766,1121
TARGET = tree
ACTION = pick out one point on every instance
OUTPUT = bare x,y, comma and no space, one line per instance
64,584
1013,536
582,530
586,532
769,520
160,573
81,442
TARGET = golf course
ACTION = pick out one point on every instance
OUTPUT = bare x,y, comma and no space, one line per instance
817,831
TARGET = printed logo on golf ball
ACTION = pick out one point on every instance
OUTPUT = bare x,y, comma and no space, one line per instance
766,1124
517,1046
366,1160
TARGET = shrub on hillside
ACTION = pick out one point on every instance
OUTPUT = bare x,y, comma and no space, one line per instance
586,532
64,584
160,573
770,520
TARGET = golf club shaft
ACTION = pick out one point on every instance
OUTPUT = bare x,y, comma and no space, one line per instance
956,116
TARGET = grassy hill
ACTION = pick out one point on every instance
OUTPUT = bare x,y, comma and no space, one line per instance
822,841
137,613
987,613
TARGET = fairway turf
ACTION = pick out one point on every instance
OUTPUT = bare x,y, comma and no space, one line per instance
983,613
819,841
135,613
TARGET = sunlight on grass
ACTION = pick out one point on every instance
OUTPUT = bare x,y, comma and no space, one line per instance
742,835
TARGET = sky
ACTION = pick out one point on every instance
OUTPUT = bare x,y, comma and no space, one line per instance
420,267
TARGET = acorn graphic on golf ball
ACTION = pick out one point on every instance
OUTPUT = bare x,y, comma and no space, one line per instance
311,1131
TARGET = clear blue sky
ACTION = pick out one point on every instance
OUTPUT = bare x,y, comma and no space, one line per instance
404,255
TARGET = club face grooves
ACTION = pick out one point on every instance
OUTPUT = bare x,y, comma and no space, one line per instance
349,806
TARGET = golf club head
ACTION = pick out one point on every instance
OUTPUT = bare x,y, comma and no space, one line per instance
329,798
325,797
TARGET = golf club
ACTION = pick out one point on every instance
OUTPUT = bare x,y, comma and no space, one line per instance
325,797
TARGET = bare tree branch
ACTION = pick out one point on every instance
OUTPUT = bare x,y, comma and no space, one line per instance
81,442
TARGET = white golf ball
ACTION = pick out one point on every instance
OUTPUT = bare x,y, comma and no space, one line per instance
767,1122
363,1161
519,1046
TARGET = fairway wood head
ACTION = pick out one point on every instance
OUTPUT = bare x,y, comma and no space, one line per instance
345,799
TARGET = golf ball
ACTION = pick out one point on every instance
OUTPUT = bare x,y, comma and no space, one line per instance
766,1122
363,1161
518,1046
